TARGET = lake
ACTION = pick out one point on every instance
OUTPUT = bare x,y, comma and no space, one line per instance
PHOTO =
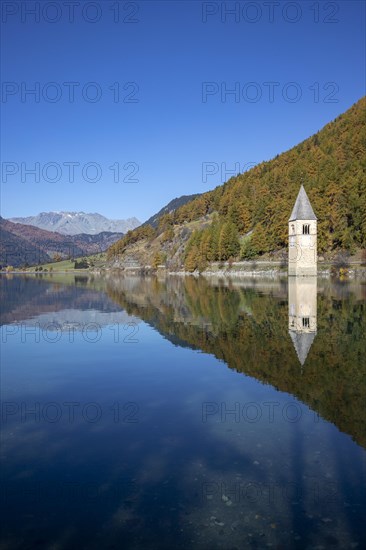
147,413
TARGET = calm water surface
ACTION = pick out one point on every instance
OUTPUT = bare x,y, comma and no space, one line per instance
178,413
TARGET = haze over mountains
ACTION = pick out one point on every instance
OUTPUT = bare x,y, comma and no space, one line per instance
74,223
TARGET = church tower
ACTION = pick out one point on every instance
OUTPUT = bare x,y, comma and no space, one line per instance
302,228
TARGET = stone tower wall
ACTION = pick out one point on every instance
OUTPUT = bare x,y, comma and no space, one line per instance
302,248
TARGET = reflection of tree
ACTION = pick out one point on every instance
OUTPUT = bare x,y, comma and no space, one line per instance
249,331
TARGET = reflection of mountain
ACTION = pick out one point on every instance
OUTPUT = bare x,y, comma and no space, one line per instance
78,319
247,328
302,314
35,300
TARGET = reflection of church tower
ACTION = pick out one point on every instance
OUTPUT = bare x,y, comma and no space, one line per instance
302,314
302,227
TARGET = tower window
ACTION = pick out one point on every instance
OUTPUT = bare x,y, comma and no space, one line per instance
306,322
306,229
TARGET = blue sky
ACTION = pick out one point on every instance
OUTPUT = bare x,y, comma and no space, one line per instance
172,130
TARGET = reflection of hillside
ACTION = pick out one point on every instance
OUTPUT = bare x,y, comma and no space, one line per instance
244,324
247,327
38,300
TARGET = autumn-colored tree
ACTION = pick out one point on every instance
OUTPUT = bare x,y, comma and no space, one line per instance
247,251
168,235
259,239
206,249
192,259
228,242
166,221
157,260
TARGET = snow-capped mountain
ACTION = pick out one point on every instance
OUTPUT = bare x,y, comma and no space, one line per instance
73,223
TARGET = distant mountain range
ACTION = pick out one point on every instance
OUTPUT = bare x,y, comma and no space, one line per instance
74,223
22,244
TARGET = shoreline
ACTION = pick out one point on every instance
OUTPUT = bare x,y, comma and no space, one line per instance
237,270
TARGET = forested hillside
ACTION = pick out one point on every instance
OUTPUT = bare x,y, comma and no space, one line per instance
169,208
248,215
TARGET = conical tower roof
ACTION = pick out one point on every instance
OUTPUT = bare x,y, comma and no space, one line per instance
302,209
302,342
